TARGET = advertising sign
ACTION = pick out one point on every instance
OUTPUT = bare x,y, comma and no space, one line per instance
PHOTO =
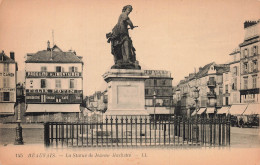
53,74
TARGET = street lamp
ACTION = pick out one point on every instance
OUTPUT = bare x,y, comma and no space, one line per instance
154,104
19,129
196,96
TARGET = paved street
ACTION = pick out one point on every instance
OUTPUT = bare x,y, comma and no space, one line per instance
33,134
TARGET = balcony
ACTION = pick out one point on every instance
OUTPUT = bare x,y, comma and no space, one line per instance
211,94
211,83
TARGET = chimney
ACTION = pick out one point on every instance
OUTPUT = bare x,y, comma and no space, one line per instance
12,56
48,45
249,23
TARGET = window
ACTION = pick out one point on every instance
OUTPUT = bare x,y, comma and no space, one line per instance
6,67
1,96
245,66
73,69
234,85
226,100
43,98
58,100
155,82
235,70
245,83
43,83
254,81
72,83
6,96
58,83
6,82
255,50
146,91
245,53
58,68
43,69
163,82
226,87
149,102
159,102
255,63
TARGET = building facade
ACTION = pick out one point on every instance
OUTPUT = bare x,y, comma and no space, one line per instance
209,81
8,69
232,80
54,85
158,93
249,92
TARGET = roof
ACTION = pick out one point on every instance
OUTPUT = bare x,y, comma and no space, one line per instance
220,69
5,58
57,57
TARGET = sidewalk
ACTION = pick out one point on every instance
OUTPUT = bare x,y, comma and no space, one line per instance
26,125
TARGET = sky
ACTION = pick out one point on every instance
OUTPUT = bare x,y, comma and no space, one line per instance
173,35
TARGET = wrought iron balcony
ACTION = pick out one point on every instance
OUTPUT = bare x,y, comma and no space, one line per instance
211,83
211,94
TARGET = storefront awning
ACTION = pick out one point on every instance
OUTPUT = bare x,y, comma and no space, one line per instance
193,113
53,108
6,108
237,109
252,109
160,110
223,110
201,111
210,110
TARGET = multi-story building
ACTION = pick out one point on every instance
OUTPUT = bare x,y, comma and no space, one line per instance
97,101
249,92
54,84
8,69
158,93
209,81
232,80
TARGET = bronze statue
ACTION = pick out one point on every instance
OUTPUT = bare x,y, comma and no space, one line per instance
121,44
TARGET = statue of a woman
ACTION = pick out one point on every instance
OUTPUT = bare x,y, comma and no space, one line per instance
121,43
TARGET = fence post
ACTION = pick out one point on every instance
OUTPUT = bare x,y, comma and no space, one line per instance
46,134
210,130
228,131
126,124
183,130
116,131
223,132
106,131
214,131
219,131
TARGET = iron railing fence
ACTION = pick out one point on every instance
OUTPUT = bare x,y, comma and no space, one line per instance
138,131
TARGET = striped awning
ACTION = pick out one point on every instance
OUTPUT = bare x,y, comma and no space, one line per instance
6,108
252,109
193,113
223,110
202,110
237,109
53,108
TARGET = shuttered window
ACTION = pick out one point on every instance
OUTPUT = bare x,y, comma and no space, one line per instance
43,83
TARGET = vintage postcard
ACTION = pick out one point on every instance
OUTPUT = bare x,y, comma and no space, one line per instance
129,82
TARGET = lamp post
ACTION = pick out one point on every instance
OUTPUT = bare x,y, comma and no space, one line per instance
19,129
154,105
196,96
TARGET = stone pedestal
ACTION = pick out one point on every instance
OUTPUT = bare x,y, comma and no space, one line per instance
125,92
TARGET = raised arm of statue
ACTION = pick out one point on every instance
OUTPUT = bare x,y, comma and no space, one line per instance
129,22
